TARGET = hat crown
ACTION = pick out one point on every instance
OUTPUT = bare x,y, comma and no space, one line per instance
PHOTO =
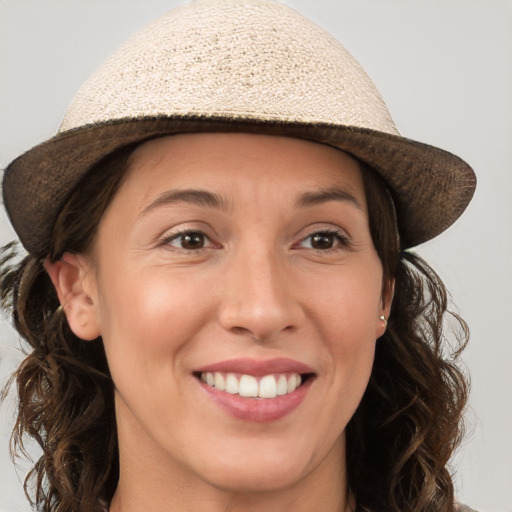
246,59
234,65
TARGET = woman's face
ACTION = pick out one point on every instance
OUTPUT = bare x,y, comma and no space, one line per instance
244,261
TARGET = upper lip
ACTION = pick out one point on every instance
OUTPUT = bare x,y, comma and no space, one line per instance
257,367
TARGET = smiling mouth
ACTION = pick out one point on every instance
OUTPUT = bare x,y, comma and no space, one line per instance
250,386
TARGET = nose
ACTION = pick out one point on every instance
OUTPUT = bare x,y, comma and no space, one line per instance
259,297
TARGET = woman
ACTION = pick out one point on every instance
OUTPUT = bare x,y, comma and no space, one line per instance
222,312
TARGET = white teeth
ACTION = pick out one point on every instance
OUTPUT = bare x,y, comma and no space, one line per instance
267,387
220,383
292,383
282,386
248,386
231,384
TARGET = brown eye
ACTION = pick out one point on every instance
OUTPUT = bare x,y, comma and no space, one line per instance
323,241
192,241
189,241
326,241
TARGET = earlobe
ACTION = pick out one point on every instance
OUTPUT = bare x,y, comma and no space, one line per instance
388,293
72,278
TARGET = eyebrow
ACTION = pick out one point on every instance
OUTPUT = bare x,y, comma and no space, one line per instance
211,200
191,196
323,196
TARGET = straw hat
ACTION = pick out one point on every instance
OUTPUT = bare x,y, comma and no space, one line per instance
255,66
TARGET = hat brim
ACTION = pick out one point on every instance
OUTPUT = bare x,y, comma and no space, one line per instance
430,187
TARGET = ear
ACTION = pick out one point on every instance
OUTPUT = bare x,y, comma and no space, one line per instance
388,292
74,281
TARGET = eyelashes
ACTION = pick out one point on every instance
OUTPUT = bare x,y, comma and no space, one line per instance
326,241
320,241
189,240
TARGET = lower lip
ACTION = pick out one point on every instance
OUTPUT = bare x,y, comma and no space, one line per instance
258,410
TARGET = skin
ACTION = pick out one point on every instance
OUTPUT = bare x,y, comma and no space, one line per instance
260,287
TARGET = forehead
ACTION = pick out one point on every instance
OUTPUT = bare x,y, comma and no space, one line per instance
238,162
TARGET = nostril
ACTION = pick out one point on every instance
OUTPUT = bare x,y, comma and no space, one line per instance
241,330
263,332
261,309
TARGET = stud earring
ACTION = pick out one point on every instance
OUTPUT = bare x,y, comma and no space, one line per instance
384,319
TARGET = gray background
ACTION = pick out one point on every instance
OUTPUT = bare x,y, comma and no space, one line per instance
444,69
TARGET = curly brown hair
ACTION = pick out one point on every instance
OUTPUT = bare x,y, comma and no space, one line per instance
399,441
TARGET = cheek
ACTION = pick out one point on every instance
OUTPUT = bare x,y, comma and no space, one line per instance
146,322
352,351
348,307
347,313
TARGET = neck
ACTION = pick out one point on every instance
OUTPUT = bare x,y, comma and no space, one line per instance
234,502
303,500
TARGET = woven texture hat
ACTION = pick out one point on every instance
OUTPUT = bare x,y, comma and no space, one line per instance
254,66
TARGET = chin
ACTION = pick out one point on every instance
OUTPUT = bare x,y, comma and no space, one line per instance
263,467
256,479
